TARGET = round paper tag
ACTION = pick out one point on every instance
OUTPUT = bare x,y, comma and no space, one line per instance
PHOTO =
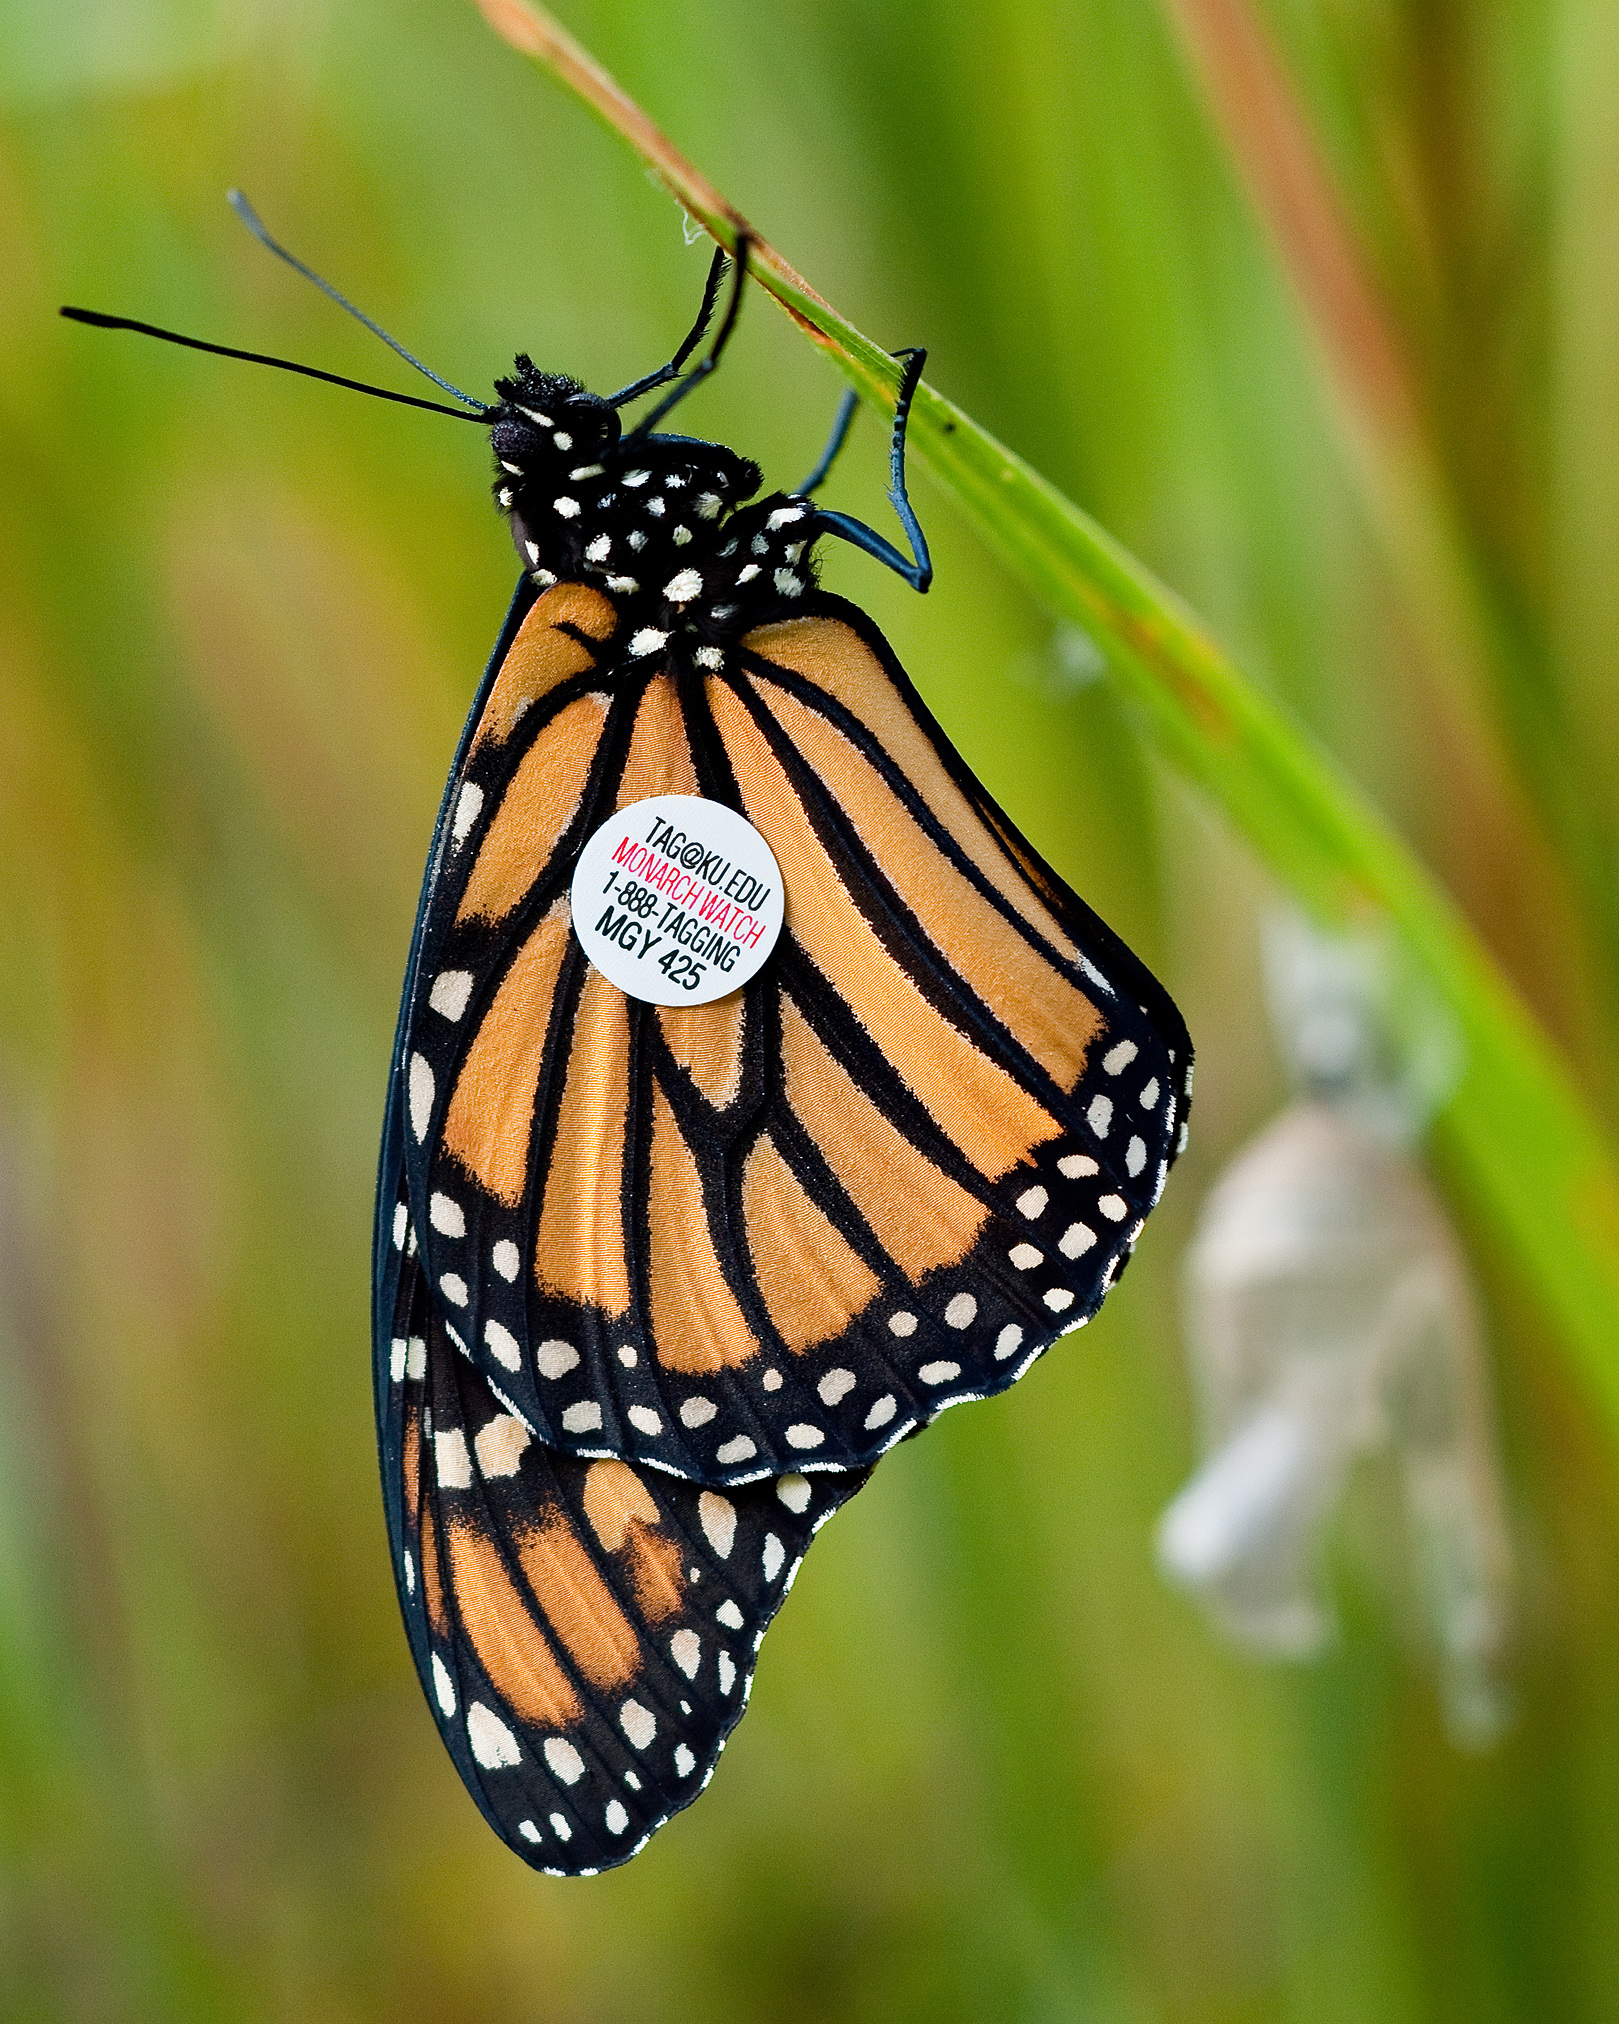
677,900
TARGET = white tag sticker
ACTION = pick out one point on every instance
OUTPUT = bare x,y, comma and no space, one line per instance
677,900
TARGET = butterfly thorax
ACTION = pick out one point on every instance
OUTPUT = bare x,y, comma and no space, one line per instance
667,526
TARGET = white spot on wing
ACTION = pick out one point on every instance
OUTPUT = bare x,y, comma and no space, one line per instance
686,1649
421,1096
638,1723
685,1762
454,1288
401,1225
503,1346
506,1258
1119,1057
882,1412
835,1385
794,1492
774,1557
1135,1157
696,1412
1100,1115
1114,1207
741,1449
727,1672
493,1744
451,1460
553,1359
443,1685
1025,1257
644,1420
801,1435
583,1417
1076,1240
499,1446
939,1373
1059,1299
564,1760
961,1311
729,1615
717,1516
902,1323
615,1817
1008,1341
446,1216
1032,1202
450,992
1076,1166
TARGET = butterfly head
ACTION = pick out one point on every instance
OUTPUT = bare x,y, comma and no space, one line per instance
545,419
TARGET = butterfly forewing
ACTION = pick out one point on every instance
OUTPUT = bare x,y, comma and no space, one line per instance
778,1231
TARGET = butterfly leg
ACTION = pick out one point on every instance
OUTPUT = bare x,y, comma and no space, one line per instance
918,572
665,373
701,371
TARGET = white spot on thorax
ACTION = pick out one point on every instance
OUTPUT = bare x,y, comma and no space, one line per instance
647,640
709,657
682,588
566,507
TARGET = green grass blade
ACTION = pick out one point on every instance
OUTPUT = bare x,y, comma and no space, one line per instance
1517,1137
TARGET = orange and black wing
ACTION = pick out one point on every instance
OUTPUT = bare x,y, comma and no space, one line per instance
585,1632
779,1231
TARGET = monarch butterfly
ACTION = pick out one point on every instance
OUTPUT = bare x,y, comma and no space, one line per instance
661,1273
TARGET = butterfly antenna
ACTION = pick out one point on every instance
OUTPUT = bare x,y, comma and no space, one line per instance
255,224
99,321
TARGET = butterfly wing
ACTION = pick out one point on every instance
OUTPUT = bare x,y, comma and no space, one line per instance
585,1633
782,1230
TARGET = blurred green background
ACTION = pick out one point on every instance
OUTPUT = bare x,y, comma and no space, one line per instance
992,1769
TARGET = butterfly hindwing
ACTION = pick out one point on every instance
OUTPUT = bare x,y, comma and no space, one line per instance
585,1631
778,1231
